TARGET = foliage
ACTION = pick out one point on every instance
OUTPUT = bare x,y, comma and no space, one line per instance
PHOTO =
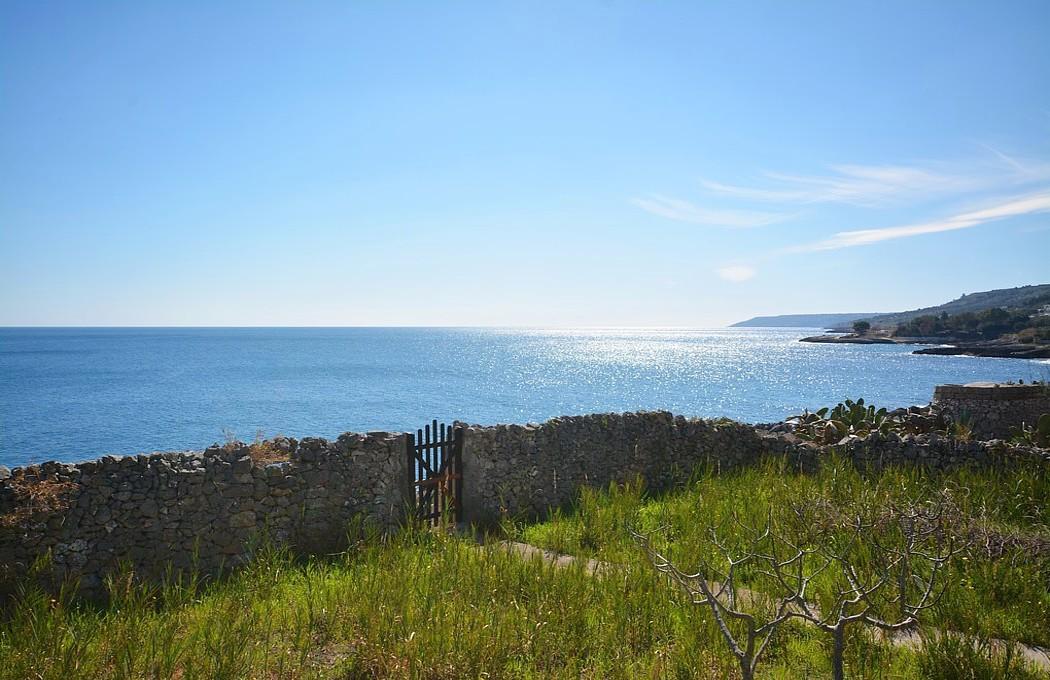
1027,297
988,324
953,656
854,418
1037,435
861,327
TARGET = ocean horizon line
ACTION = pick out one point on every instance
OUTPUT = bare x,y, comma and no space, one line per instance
388,326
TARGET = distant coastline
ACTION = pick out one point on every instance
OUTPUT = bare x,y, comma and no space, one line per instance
1007,323
803,320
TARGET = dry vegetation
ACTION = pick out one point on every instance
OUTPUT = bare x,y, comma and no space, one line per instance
262,451
32,497
266,452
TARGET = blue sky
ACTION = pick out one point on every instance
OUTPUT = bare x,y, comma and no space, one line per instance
552,164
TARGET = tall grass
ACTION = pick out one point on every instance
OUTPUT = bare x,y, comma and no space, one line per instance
419,606
1000,587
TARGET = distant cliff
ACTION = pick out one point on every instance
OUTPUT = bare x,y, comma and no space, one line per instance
803,320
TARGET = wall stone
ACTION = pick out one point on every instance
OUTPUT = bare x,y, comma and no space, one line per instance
996,409
204,511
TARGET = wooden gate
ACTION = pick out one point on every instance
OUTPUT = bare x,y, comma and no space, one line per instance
435,457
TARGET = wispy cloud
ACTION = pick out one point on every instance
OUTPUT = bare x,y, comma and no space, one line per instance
736,273
853,184
684,211
1012,186
1024,169
1019,205
877,185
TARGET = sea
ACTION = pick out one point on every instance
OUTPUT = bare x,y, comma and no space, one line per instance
73,394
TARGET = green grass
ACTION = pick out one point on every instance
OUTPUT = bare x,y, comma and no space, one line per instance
1006,596
427,605
419,606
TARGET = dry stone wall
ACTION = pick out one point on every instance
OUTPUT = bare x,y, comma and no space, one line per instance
995,409
204,511
524,471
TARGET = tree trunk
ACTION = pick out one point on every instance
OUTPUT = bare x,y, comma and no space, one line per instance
839,637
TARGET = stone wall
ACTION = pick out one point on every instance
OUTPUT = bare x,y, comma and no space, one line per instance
204,510
209,510
524,471
996,409
935,451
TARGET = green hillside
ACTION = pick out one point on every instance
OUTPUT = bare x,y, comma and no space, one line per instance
1006,298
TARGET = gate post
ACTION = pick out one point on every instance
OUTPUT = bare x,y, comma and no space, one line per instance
476,507
410,477
457,468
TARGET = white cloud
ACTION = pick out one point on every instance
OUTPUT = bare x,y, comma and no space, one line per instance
875,185
684,211
999,177
736,273
853,184
1021,205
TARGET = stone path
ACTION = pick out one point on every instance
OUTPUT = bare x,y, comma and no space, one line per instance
1037,656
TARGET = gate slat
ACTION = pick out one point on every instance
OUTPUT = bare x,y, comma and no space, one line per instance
436,453
429,456
457,460
440,429
420,475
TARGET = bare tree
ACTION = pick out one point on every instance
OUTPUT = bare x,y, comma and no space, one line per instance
906,549
717,589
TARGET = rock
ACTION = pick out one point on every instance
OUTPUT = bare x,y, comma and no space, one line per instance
148,508
851,339
991,348
242,520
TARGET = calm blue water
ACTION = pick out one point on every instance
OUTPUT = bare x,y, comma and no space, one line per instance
72,394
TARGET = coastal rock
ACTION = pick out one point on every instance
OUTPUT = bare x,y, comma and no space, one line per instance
991,349
851,339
